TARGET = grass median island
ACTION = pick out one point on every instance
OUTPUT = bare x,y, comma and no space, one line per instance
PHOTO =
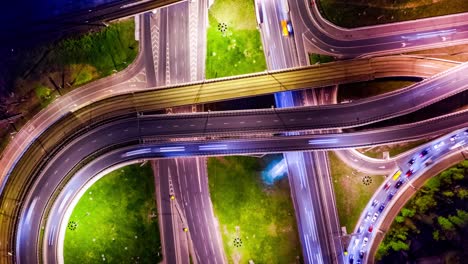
359,13
234,45
257,222
353,191
115,221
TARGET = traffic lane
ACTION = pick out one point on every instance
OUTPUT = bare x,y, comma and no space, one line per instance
148,51
270,29
202,33
312,160
162,58
373,166
165,214
178,44
304,209
197,205
330,203
172,172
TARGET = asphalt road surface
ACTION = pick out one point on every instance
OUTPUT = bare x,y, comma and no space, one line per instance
30,219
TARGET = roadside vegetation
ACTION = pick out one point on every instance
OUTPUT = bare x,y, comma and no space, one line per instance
257,221
353,190
392,149
34,78
359,13
234,44
361,90
433,225
315,58
115,221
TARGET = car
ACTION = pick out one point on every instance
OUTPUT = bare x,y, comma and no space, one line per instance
361,254
375,217
368,216
424,153
364,242
453,138
358,261
371,227
284,28
356,242
428,162
387,186
360,229
398,184
411,161
351,259
374,203
390,196
381,208
409,173
439,145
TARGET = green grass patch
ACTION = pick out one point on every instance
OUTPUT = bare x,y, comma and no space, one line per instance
82,74
116,219
352,195
360,90
108,50
43,94
234,45
393,149
358,13
260,216
319,58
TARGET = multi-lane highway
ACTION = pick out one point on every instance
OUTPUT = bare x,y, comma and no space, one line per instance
139,127
202,123
177,60
303,170
129,131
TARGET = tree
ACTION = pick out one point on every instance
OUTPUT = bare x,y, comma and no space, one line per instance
399,245
435,235
448,193
400,219
406,212
423,203
456,220
445,224
462,214
462,193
